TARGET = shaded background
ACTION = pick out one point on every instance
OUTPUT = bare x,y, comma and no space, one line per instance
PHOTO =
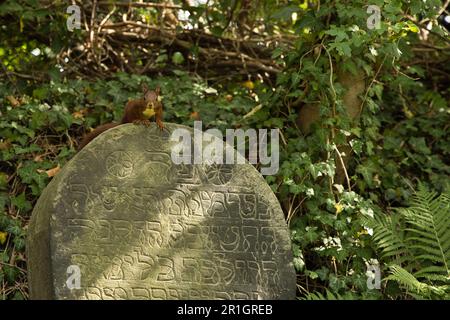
363,114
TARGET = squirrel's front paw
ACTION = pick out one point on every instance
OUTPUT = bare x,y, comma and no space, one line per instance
160,124
142,122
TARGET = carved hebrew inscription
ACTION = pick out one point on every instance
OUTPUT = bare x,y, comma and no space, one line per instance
140,227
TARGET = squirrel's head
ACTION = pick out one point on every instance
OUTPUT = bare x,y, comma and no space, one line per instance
151,97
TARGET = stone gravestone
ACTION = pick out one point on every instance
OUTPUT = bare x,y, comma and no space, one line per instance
122,221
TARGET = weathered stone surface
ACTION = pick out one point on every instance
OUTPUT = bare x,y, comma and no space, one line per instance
140,227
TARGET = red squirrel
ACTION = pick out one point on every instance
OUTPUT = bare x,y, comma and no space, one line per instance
136,111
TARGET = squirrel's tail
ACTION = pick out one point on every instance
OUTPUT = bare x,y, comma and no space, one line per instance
96,132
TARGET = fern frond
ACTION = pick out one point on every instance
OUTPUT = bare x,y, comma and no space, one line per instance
315,296
432,273
428,232
417,240
435,277
329,296
389,236
407,280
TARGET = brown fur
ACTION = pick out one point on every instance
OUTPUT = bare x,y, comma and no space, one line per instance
94,134
133,114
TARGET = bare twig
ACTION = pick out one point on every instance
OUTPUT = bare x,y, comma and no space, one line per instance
343,167
141,5
371,83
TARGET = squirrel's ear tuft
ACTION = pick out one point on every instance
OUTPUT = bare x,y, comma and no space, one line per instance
144,88
158,90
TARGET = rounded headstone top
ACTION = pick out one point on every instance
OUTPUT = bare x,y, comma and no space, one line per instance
122,221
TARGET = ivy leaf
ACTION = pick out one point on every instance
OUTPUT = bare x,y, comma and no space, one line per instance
10,7
343,48
299,263
313,275
162,58
419,145
3,181
10,272
21,202
340,34
323,273
40,93
177,58
3,236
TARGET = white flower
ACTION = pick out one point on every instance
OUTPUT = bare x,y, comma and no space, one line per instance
369,231
36,52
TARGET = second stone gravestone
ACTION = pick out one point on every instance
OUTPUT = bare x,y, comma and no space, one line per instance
122,221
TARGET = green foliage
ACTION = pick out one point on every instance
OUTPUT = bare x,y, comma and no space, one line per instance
415,288
328,296
399,137
415,243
